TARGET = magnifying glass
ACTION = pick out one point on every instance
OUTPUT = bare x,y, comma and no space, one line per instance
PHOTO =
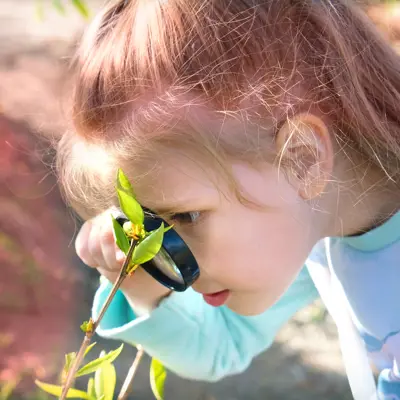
174,266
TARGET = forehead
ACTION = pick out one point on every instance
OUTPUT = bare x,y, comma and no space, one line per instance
176,180
185,143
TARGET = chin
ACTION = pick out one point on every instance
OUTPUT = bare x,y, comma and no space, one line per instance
246,308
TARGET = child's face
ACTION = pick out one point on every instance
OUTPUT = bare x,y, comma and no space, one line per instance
253,253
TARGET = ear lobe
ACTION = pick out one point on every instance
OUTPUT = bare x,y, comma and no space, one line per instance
304,147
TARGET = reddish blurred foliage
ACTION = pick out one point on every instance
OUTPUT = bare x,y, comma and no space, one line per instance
38,296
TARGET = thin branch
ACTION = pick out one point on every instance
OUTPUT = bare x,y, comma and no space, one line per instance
75,366
70,379
127,386
116,286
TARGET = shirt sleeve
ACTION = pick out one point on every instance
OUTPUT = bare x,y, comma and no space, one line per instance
195,340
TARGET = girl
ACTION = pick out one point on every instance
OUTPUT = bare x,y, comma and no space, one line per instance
268,133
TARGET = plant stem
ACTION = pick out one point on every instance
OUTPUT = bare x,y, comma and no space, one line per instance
127,386
74,367
116,286
70,379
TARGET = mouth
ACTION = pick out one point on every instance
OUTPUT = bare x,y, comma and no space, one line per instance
216,299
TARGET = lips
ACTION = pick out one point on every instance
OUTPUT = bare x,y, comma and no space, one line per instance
216,299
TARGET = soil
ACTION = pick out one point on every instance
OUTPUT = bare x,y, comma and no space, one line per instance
46,292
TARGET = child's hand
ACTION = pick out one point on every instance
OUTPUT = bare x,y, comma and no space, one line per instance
96,247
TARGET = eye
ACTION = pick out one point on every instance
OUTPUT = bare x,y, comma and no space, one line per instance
186,218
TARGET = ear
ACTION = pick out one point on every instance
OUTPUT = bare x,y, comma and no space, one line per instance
305,149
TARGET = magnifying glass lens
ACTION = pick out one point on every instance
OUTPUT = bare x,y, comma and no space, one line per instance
165,264
174,265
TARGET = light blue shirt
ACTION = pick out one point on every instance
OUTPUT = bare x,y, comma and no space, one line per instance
201,342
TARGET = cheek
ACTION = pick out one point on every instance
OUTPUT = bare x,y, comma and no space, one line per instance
250,250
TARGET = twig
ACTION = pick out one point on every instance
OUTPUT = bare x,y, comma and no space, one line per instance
116,286
70,379
127,386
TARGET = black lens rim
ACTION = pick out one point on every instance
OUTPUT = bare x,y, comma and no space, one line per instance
176,248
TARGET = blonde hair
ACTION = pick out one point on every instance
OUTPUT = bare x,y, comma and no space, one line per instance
248,60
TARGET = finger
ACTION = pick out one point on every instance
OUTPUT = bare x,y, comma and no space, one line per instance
81,243
112,255
94,246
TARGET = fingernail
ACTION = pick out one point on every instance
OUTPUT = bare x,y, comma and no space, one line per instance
120,255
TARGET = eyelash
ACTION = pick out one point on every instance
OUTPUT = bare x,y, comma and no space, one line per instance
179,218
182,218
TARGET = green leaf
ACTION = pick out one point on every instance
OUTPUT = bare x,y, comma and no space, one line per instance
84,326
81,7
123,182
57,390
90,347
158,374
69,359
87,326
96,364
105,381
168,228
120,237
127,199
59,6
91,391
149,247
131,208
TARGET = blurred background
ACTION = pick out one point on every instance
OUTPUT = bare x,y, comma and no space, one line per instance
45,291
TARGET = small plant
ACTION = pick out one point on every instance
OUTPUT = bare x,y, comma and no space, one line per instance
139,246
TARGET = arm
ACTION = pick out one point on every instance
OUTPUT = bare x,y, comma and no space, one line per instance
198,341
